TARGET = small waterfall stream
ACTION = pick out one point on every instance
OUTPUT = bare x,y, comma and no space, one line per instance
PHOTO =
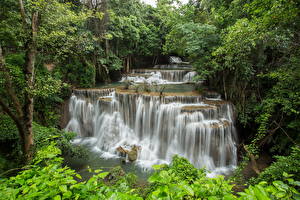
200,129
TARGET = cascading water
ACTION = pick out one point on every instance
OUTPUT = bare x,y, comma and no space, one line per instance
160,76
190,126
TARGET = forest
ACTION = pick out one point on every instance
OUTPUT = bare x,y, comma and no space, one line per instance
196,100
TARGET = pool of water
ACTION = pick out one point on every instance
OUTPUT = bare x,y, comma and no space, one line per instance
179,88
109,85
185,87
94,161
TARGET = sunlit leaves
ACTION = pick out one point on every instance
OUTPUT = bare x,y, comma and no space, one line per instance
61,30
47,86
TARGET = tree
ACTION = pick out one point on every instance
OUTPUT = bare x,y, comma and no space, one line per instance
24,115
40,26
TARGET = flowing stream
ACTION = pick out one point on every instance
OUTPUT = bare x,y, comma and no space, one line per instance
162,125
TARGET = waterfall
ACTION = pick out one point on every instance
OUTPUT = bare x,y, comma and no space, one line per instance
160,76
175,60
200,129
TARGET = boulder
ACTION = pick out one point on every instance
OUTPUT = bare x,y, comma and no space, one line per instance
132,154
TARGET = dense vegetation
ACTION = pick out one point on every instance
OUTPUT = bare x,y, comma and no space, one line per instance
46,178
246,50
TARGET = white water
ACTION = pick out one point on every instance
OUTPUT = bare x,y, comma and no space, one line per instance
161,76
162,126
175,60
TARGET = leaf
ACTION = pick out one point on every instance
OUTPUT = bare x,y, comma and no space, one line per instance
67,194
280,194
281,186
57,197
188,189
78,176
103,175
63,188
98,171
154,178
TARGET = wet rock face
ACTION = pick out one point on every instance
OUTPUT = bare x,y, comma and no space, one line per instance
132,155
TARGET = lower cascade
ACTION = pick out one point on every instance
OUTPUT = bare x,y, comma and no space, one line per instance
197,128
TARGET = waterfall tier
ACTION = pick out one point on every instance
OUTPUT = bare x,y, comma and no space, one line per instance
173,66
92,94
160,76
188,125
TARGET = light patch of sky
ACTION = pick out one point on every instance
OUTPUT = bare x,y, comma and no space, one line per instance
153,2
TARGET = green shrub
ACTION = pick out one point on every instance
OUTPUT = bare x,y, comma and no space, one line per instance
8,129
44,135
181,180
289,164
46,178
286,189
78,73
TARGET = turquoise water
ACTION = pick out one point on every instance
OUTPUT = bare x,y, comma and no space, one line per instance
96,162
168,87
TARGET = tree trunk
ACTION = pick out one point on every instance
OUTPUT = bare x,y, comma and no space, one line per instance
30,57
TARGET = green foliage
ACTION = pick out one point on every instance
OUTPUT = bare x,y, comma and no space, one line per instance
9,142
111,62
44,135
14,63
277,190
181,180
195,41
46,86
79,73
9,139
61,29
284,164
8,129
5,164
185,170
248,50
46,178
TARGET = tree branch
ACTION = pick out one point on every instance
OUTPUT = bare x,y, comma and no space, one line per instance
12,170
291,139
22,11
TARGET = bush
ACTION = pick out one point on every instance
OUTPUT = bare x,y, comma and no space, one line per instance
44,135
286,189
46,178
289,164
8,128
78,73
181,180
11,153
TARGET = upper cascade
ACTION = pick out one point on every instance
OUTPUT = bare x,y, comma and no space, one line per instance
176,72
175,63
187,124
161,76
